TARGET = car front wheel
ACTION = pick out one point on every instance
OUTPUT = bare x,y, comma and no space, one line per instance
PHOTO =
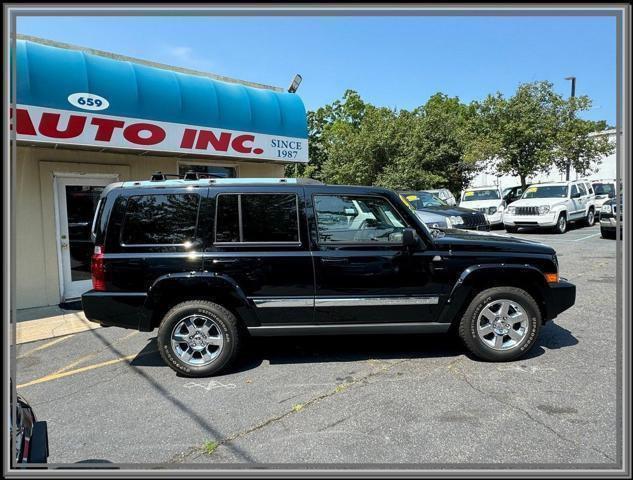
561,224
198,338
510,229
590,218
500,324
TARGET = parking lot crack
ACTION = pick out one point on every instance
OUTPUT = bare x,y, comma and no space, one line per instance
467,380
196,452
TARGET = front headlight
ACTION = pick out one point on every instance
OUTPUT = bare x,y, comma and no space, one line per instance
543,210
512,210
606,209
492,210
456,220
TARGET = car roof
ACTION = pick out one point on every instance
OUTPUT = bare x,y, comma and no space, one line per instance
485,187
250,182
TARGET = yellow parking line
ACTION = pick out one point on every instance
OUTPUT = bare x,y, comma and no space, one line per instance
42,347
94,354
56,376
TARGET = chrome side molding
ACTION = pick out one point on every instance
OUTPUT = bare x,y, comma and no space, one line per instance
304,302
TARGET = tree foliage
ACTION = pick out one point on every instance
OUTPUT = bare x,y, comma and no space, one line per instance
445,142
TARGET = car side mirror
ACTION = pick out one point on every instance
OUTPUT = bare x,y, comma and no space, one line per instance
611,195
409,238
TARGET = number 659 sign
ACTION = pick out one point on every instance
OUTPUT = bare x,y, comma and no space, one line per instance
88,101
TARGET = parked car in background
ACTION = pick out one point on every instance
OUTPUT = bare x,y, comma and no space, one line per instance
264,257
512,194
610,215
487,200
552,205
443,194
604,190
436,213
31,435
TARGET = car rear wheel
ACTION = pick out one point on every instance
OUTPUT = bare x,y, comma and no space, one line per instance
590,219
561,224
500,324
198,338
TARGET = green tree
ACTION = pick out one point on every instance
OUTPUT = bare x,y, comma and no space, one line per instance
576,146
518,135
354,142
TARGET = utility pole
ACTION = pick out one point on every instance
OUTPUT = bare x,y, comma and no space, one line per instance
573,94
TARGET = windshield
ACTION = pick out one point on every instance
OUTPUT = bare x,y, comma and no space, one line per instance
423,200
474,195
550,191
604,188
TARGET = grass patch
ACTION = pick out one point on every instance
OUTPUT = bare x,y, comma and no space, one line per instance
298,407
210,446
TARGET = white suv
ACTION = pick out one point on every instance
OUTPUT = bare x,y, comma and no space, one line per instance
487,200
552,205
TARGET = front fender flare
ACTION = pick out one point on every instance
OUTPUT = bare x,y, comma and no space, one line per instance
471,277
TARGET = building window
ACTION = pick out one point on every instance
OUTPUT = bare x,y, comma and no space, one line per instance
216,170
257,218
160,219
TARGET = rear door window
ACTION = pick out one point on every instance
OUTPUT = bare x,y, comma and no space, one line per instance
162,219
257,218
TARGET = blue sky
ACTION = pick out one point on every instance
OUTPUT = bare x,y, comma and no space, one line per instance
391,61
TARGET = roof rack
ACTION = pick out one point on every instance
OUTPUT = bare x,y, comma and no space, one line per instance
190,175
212,178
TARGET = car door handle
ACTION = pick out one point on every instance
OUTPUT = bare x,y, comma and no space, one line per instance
217,261
335,260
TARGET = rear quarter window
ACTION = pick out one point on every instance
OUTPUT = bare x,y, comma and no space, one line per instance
162,219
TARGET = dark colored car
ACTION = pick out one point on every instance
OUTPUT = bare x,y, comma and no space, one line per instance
610,215
31,435
512,194
436,213
208,262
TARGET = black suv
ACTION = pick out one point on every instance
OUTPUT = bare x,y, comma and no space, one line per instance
210,261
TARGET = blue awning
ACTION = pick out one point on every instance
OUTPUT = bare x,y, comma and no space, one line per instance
47,76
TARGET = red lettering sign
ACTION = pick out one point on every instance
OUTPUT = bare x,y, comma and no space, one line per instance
132,134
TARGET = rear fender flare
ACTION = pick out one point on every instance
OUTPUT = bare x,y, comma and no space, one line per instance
221,288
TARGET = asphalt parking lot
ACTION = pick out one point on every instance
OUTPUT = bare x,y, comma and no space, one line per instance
108,397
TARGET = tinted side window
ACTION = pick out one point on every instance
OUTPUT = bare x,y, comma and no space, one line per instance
574,189
165,219
255,218
269,218
227,226
348,219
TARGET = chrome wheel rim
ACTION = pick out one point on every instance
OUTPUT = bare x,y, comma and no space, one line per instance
197,340
502,324
590,219
561,224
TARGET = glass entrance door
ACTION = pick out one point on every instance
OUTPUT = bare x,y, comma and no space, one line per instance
77,199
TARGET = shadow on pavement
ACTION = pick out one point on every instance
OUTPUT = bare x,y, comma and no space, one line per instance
355,348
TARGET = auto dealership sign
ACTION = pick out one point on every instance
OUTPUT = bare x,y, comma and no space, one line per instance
90,128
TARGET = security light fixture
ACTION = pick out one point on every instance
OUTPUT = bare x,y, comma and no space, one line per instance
295,83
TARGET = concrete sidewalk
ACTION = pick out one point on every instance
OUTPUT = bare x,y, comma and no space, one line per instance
49,322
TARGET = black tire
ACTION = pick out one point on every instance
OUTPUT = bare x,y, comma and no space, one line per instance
607,234
590,219
225,324
561,223
477,346
510,229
